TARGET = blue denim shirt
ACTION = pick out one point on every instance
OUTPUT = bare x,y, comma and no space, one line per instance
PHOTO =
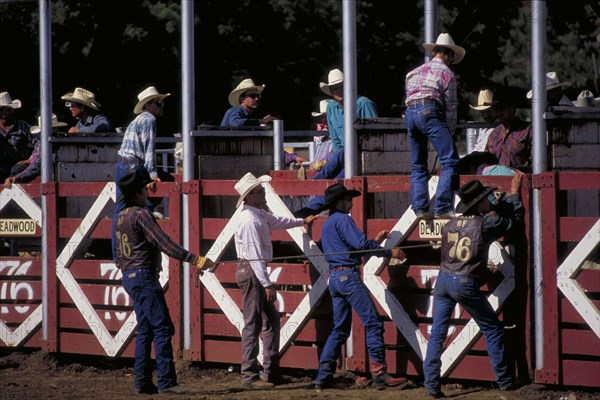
506,215
365,108
341,235
238,116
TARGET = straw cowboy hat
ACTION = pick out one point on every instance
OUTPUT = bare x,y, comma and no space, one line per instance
146,96
445,40
470,193
338,191
82,96
552,82
136,179
485,100
585,99
246,84
245,185
6,101
335,77
55,124
322,109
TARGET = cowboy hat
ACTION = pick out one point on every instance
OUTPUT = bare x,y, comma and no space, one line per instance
136,179
585,99
6,101
146,96
335,77
338,191
55,124
445,40
245,185
82,96
322,109
552,82
246,84
485,100
470,193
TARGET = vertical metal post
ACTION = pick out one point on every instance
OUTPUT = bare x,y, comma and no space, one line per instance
538,106
350,142
430,11
471,134
278,161
187,123
46,149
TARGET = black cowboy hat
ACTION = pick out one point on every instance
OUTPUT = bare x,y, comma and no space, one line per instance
470,193
468,164
336,192
136,179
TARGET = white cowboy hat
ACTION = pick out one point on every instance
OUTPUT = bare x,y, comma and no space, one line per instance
585,99
552,82
246,84
335,77
322,109
6,101
55,124
245,185
147,95
82,96
445,40
485,100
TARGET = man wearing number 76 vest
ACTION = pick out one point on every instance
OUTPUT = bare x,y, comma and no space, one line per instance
463,269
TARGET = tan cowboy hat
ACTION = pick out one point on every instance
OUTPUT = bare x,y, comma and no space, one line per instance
335,77
245,185
445,40
246,84
585,99
322,109
485,100
6,101
82,96
552,82
147,95
55,124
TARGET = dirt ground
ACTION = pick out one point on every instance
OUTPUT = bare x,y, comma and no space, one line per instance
39,375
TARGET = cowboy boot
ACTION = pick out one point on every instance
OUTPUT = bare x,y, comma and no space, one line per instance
381,378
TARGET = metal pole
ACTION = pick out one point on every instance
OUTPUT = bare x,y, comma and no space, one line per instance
278,162
187,123
471,134
538,107
350,142
430,11
46,149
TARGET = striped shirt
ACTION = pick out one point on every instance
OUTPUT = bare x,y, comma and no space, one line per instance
139,141
434,80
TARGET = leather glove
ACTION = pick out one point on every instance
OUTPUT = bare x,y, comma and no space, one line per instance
203,263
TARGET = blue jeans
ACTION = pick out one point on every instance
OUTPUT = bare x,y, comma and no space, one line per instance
452,289
425,123
334,168
349,292
154,322
121,170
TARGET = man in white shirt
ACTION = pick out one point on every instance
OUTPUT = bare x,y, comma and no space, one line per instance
254,248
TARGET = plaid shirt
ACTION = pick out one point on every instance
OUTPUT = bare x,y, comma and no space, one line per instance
139,141
513,147
141,241
436,81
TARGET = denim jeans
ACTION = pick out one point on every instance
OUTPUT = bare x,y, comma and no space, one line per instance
452,289
349,292
333,169
425,123
154,322
121,170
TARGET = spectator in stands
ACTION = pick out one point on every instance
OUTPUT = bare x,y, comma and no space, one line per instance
463,271
585,99
14,135
84,107
485,103
323,143
510,141
431,117
341,239
244,101
27,170
140,244
254,249
138,148
555,95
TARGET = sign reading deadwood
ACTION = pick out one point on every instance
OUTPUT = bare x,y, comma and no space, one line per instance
14,227
431,229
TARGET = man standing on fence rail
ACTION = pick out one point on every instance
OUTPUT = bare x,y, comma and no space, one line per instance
253,243
140,242
463,269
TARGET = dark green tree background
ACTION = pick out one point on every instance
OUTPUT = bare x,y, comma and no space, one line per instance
117,47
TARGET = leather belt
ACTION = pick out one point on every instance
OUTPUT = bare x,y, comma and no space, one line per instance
342,267
427,100
128,160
